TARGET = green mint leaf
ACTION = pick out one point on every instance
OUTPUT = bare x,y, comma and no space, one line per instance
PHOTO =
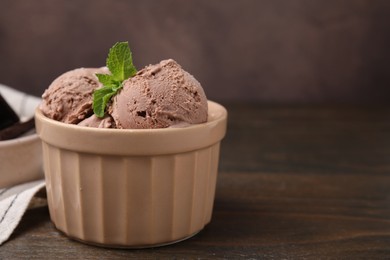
120,62
116,88
107,80
101,97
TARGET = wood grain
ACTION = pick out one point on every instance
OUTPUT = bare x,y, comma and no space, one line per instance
297,182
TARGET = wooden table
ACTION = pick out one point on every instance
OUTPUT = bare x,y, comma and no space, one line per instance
295,182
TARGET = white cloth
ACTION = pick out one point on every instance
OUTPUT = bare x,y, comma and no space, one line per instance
13,204
24,105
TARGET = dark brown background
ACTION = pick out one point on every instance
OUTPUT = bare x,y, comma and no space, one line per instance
247,50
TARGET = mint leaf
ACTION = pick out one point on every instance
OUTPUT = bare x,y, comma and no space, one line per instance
120,64
101,97
107,80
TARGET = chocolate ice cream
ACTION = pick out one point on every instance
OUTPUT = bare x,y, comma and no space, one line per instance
159,96
94,121
69,98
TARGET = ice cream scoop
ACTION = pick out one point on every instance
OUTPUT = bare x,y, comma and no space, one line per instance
94,121
69,98
159,96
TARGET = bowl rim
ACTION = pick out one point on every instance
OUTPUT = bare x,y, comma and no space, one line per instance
21,139
87,139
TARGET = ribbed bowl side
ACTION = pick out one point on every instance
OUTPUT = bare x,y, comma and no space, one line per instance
54,185
48,163
132,201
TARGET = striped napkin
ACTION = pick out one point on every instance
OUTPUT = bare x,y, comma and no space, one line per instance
14,202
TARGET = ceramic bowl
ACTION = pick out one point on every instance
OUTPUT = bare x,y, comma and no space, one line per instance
20,160
131,187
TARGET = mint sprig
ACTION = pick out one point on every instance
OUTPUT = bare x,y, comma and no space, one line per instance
120,64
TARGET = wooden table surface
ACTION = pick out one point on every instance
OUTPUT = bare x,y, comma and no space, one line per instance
295,182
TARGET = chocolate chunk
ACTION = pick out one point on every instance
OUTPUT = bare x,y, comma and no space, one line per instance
8,117
16,129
